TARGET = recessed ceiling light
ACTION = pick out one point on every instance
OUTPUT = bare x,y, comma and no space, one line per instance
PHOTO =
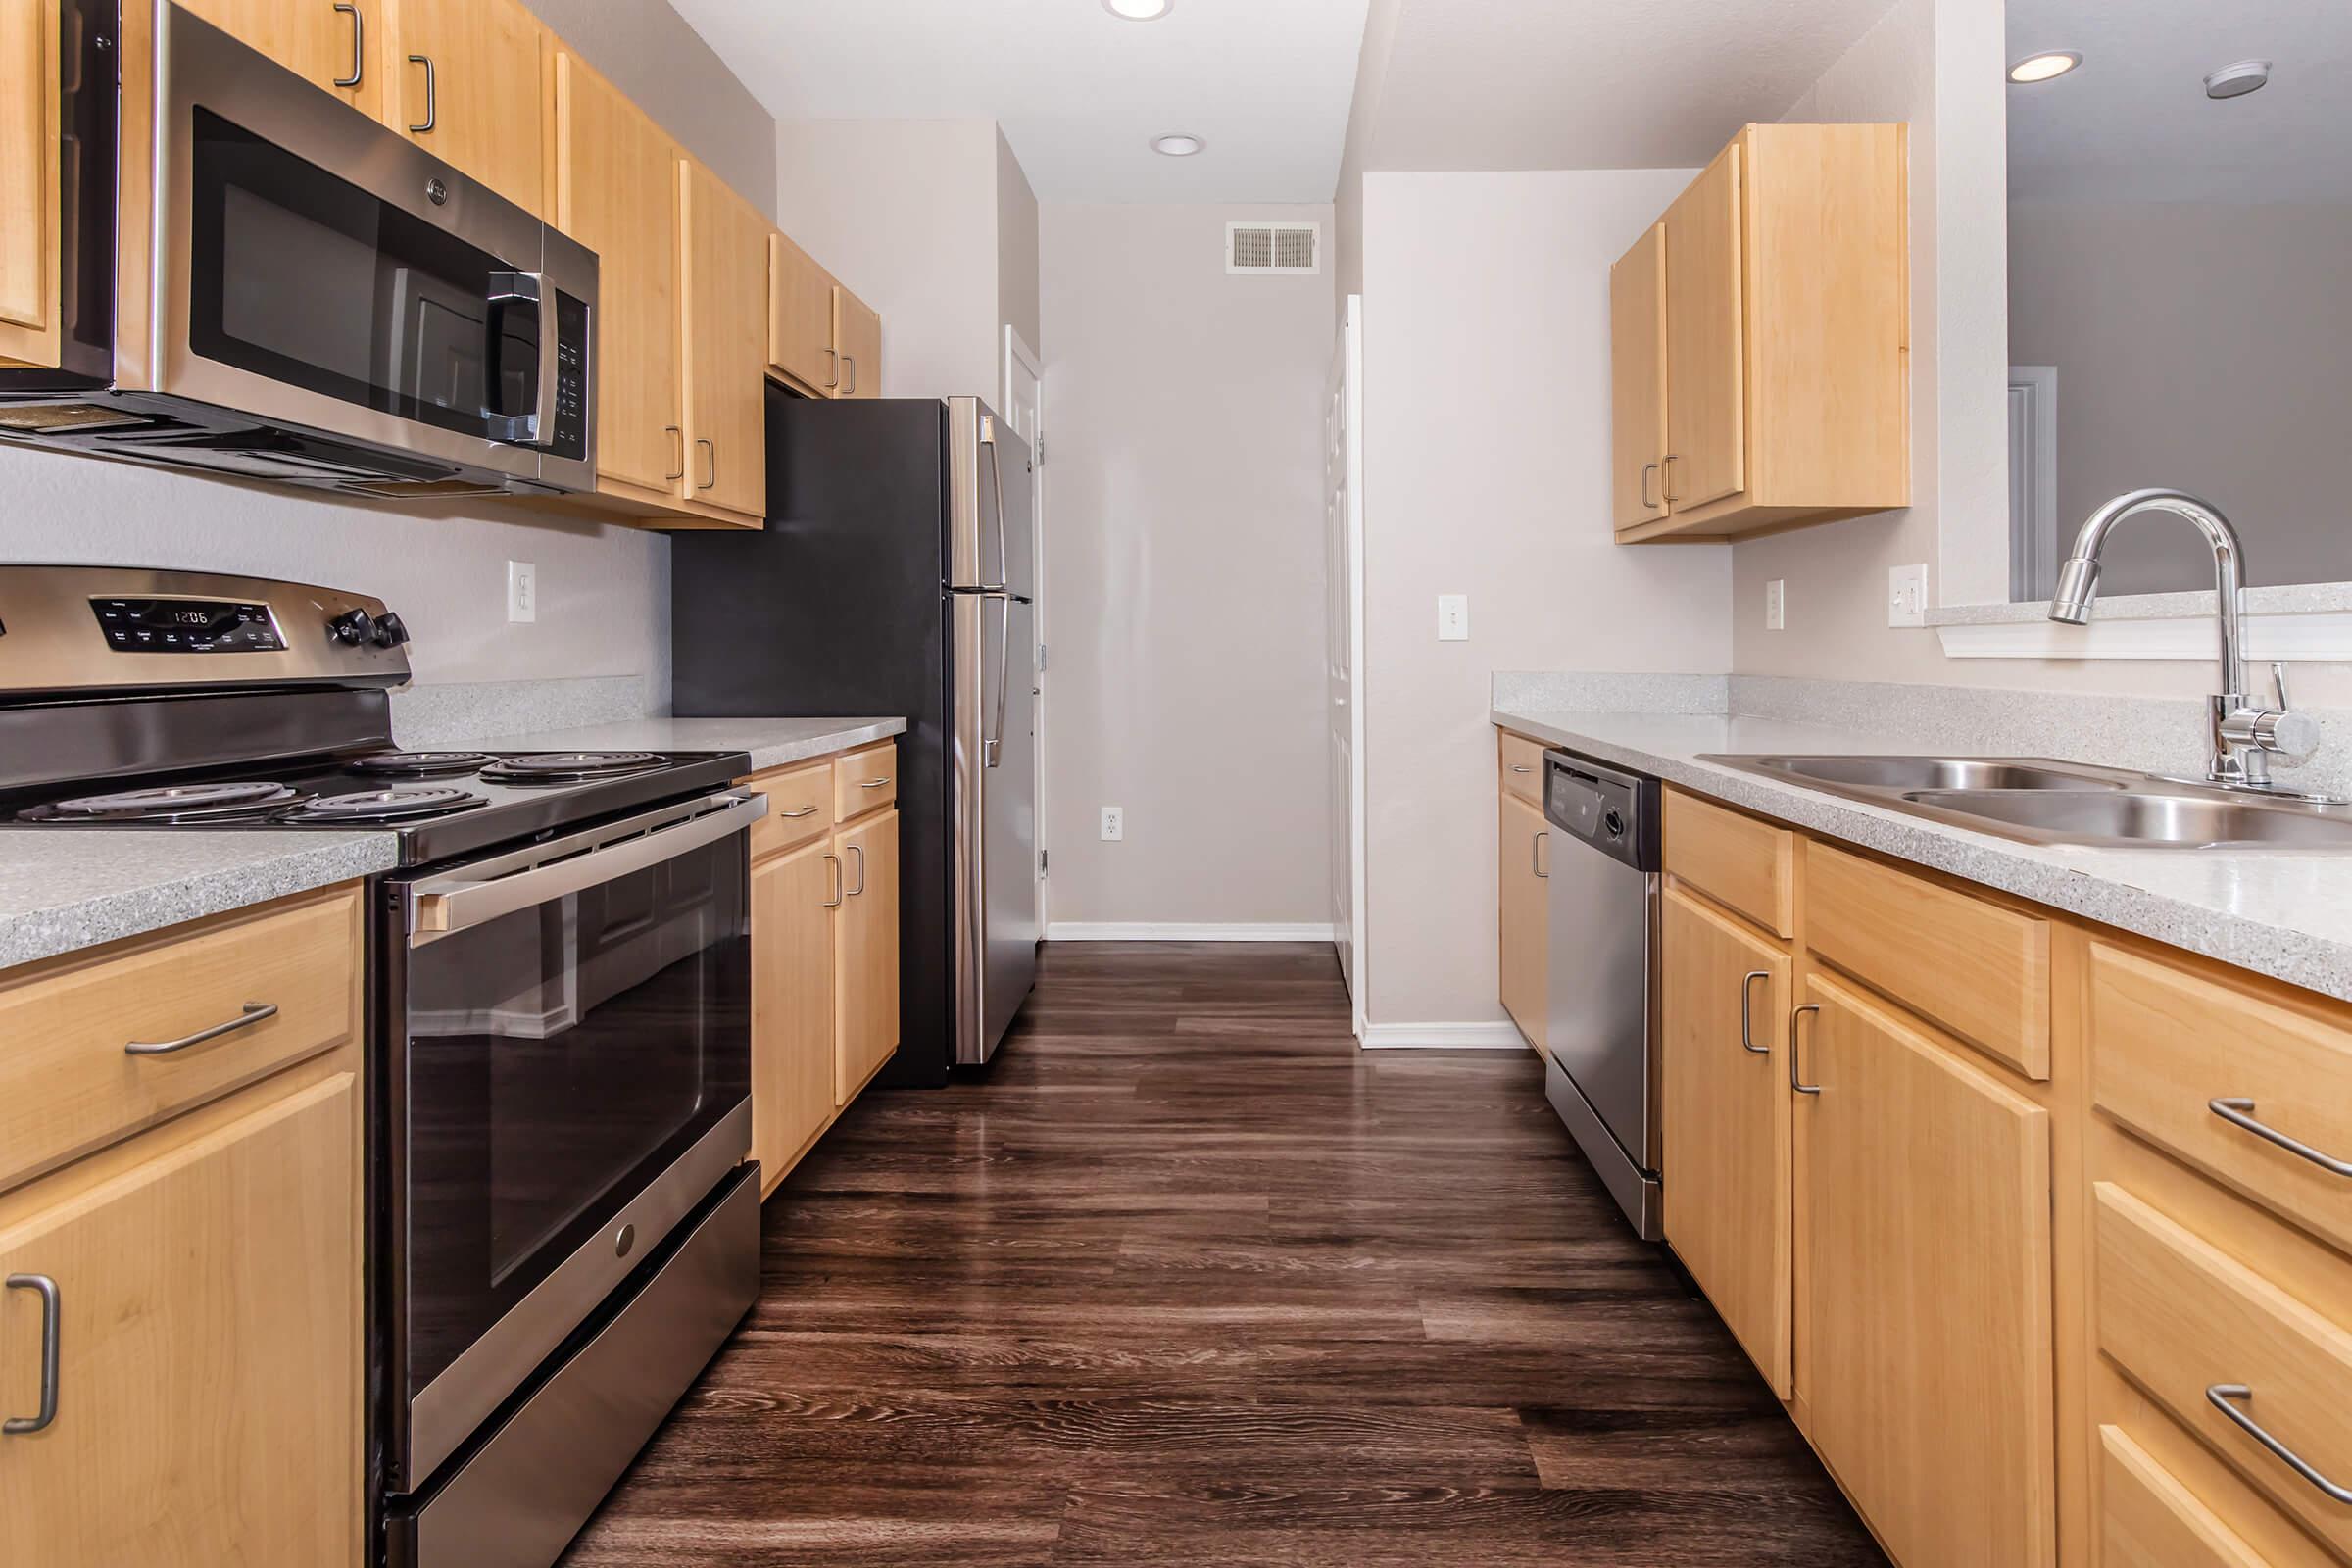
2045,67
1177,146
2237,80
1137,10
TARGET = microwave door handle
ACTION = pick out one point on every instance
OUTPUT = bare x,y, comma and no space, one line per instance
469,898
537,428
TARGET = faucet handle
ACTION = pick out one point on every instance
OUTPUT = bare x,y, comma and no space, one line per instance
2278,683
2277,730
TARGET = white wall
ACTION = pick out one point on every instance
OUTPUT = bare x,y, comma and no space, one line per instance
1486,472
1018,282
1183,570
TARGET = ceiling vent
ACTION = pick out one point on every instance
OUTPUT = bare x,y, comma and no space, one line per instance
1270,248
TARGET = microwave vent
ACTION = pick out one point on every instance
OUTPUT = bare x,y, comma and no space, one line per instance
1270,249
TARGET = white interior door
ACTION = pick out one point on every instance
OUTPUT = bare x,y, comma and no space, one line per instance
1343,577
1025,411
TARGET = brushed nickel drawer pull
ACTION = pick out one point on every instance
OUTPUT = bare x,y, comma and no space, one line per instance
358,45
1795,1014
432,101
806,810
1647,505
2222,1397
859,850
1536,855
840,890
53,1316
833,356
851,360
2239,1113
1747,995
672,429
710,462
874,783
1521,768
255,1013
1666,477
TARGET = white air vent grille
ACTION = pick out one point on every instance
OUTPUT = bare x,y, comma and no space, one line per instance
1266,248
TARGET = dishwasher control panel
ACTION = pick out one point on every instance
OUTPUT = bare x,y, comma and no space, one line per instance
1613,812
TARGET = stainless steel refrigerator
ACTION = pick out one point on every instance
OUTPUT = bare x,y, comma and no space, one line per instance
897,575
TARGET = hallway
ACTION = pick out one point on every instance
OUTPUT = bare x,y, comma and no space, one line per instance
1185,1278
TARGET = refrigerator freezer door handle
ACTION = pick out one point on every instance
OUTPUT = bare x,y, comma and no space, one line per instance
995,480
991,750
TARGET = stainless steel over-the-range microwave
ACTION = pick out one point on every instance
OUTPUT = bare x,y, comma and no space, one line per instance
259,279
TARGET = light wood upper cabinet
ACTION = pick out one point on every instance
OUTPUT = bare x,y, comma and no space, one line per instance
799,320
1638,379
1523,850
616,192
1925,1286
209,1395
1724,1121
793,902
724,327
336,44
30,306
1786,339
857,334
867,952
471,73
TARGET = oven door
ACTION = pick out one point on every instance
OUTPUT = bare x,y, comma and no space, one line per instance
568,1056
320,271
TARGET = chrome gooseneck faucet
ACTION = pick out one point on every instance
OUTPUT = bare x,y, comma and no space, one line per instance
2244,737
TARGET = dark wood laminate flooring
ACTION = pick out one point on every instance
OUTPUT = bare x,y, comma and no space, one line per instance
1186,1278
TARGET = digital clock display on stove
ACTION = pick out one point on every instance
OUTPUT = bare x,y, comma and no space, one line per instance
186,626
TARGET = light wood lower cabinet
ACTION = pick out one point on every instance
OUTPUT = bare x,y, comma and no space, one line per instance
793,897
866,952
30,152
1523,841
1723,996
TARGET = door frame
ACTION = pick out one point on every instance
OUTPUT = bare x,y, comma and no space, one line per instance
1347,597
1018,355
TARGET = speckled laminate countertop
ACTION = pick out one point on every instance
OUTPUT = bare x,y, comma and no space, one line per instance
2283,913
63,889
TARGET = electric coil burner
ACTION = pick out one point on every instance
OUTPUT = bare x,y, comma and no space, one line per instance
563,1221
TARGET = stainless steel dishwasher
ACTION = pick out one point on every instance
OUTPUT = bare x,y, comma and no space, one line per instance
1601,1068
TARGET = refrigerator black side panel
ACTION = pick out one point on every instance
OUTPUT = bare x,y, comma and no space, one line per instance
835,610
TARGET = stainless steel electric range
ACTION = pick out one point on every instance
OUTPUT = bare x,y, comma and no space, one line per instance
563,1221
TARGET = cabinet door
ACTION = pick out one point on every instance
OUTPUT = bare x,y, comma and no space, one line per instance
792,1004
331,43
866,952
29,183
1706,395
470,73
1523,847
1925,1282
857,334
1638,380
800,317
725,327
208,1397
1724,1121
616,192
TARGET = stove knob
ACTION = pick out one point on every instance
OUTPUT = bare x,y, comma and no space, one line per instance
353,626
390,631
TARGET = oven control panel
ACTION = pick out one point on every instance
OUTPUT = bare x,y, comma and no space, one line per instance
188,627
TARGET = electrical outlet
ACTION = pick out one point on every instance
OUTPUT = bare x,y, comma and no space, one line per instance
1774,606
522,591
1115,825
1907,595
1454,617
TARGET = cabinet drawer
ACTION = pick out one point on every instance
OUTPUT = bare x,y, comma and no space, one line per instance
866,781
69,1084
2184,1321
799,807
1740,862
2148,1519
1973,967
2167,1043
1523,769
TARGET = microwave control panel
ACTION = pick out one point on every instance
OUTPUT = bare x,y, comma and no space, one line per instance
572,378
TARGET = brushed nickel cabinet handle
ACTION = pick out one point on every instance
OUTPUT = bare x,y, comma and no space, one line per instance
851,360
859,850
1521,768
874,783
53,1316
2239,1113
1536,855
255,1013
1666,477
1647,505
806,810
681,444
1793,1015
2224,1396
840,889
432,98
1747,995
359,44
710,462
833,359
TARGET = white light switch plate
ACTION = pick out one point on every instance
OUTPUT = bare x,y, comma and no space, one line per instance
1454,617
1115,825
1774,606
522,591
1907,595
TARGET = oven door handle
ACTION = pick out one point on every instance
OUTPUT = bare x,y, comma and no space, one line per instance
442,905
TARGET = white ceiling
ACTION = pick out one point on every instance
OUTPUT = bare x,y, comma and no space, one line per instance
1512,84
1079,92
2132,124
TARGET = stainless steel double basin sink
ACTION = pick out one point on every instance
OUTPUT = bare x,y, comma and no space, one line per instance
2037,801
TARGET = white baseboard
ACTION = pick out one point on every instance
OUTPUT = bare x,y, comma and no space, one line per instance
1165,931
1503,1036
